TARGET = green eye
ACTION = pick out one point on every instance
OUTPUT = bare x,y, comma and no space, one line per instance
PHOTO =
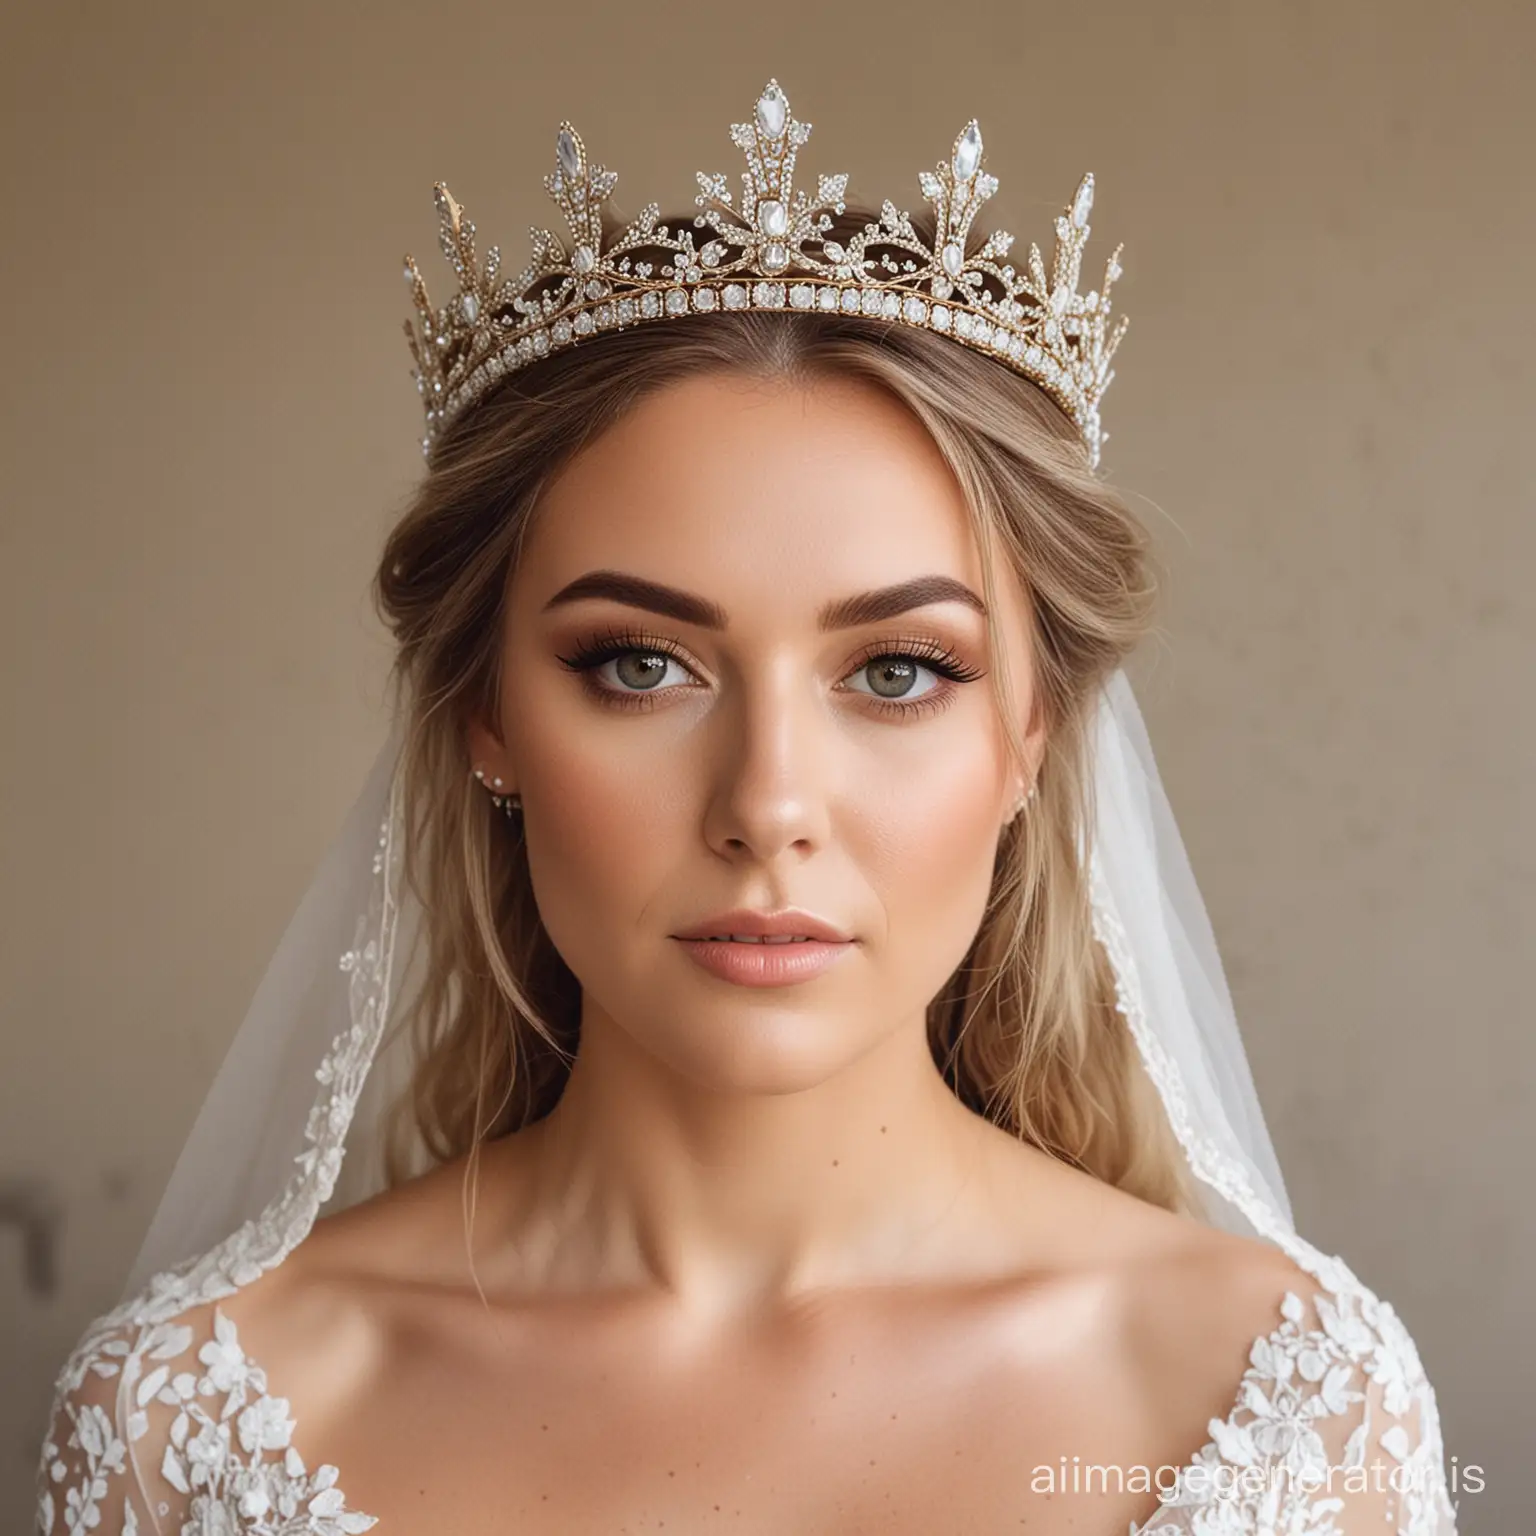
895,676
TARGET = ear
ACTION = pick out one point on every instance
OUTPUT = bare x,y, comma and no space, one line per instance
1034,750
488,754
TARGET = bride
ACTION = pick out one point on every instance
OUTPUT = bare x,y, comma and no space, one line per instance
778,1075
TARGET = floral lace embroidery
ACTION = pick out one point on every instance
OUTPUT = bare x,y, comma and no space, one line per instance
228,1447
1266,1469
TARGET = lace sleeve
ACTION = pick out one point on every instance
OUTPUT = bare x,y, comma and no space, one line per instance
1335,1432
1379,1424
168,1426
106,1426
1387,1468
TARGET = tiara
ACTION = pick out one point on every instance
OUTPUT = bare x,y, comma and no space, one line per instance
772,250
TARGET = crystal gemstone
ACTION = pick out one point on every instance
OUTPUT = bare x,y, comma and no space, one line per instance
967,153
772,110
773,218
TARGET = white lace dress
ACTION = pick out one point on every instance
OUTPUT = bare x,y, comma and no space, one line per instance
165,1425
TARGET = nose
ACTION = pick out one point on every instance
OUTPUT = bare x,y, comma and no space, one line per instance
775,760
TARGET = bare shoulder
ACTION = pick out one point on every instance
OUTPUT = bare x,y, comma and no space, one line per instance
1191,1299
323,1324
1198,1299
1210,1298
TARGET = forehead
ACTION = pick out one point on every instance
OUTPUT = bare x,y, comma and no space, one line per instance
764,495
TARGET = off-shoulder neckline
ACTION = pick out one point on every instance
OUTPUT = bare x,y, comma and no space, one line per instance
1340,1333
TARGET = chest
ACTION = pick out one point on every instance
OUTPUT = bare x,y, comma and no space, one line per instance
877,1432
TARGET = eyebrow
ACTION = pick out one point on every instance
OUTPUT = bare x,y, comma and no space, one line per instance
840,613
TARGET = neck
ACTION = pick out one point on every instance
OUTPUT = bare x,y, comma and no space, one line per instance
733,1198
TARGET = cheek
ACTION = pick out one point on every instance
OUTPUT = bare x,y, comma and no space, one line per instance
599,843
930,839
609,819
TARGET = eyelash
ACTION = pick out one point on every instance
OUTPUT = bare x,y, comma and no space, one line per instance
612,643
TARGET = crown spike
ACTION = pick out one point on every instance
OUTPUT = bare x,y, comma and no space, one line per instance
1082,204
769,251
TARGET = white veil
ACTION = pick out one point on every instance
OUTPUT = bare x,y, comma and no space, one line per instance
302,1089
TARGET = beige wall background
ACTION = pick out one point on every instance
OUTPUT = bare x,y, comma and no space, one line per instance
1324,402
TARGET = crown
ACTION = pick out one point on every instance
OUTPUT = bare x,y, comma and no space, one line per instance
772,250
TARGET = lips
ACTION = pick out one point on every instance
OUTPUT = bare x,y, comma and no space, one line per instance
742,925
750,938
766,960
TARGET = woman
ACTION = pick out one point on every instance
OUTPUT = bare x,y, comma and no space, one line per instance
813,1111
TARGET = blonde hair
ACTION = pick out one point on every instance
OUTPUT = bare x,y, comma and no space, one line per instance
1026,1031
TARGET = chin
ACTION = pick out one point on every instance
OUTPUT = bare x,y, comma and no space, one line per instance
754,1047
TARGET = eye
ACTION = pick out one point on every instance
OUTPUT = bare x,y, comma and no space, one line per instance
640,670
625,668
895,676
894,671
